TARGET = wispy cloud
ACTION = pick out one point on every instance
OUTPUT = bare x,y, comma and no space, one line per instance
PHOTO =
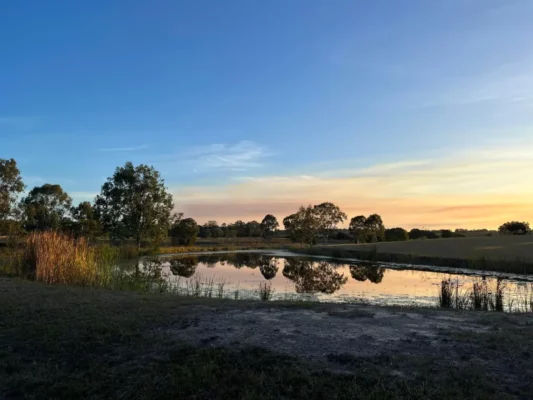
236,157
118,149
476,188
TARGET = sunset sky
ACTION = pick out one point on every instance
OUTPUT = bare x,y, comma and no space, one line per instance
421,111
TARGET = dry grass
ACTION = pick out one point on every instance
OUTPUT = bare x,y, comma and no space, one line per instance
54,258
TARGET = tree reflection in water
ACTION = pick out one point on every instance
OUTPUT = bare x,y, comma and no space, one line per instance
269,267
184,266
367,271
313,277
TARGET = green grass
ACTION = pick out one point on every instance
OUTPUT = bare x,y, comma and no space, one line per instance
372,253
64,342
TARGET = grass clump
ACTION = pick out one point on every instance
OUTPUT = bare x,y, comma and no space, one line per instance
265,291
54,258
480,297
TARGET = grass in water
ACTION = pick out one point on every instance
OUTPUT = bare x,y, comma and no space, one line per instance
265,291
480,297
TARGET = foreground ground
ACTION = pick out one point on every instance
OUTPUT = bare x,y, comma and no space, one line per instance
65,342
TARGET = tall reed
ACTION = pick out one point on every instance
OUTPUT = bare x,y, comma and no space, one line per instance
265,290
53,257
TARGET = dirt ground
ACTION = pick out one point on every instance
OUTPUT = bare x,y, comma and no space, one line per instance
68,342
333,333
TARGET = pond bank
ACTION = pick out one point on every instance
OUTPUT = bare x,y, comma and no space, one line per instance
66,342
517,266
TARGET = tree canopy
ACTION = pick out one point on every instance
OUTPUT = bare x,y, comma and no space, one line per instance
328,215
85,222
46,207
184,231
268,225
11,186
134,202
514,228
396,235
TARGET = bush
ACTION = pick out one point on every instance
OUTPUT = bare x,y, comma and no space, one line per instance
396,235
342,236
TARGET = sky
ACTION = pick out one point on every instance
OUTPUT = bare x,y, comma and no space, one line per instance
421,111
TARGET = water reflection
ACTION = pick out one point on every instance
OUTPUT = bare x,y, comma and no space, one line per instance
269,268
185,266
363,272
309,277
326,280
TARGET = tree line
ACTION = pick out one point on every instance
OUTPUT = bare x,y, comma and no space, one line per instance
134,203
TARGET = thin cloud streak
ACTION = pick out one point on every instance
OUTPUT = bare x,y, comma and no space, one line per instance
475,189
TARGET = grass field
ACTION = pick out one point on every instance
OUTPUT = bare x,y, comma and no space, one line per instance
66,342
491,247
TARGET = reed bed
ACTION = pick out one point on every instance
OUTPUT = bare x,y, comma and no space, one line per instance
481,296
56,258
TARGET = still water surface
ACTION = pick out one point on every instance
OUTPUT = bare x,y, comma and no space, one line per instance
239,275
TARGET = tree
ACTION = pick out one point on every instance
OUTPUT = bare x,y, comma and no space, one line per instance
11,186
446,233
46,207
268,225
134,202
253,229
375,228
358,229
85,221
396,235
240,228
514,228
184,232
329,215
421,234
303,226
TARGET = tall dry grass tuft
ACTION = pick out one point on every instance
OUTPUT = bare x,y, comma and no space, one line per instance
53,257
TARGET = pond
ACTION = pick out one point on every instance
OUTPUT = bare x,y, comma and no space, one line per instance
276,275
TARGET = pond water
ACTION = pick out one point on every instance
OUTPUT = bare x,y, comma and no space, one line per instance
284,276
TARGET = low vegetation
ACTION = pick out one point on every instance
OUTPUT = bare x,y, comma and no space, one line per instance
68,342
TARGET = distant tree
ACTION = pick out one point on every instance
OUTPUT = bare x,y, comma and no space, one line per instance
422,234
303,226
396,235
375,228
134,202
358,229
253,229
268,225
240,228
11,186
184,232
514,228
85,222
446,233
46,207
328,215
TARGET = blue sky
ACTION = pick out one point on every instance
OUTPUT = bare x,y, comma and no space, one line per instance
226,98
